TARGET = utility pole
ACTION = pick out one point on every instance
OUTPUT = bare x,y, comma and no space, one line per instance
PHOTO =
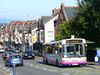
23,37
10,38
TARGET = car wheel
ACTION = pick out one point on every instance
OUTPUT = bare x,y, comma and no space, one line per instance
3,58
22,64
6,64
58,64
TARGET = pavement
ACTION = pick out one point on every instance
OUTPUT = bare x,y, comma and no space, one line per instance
94,65
3,72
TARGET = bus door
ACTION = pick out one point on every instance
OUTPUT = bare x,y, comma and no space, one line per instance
56,55
60,53
50,55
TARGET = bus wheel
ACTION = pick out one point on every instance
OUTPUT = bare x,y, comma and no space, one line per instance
58,64
46,61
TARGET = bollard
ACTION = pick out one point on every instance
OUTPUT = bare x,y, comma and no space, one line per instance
14,69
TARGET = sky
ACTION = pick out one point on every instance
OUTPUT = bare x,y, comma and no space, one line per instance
30,9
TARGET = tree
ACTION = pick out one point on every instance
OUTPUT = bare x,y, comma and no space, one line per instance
85,24
65,31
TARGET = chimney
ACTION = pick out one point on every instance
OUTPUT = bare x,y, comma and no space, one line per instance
55,11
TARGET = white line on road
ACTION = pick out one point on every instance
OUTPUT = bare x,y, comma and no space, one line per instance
65,73
5,70
42,68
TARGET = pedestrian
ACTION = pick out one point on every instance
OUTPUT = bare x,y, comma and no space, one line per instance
98,55
96,59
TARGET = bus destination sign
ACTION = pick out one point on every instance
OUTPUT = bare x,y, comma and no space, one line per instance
73,41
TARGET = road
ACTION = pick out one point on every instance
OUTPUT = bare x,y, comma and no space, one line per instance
36,67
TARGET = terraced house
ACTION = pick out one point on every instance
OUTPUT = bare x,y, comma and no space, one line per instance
20,31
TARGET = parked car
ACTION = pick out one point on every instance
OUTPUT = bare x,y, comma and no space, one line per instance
6,54
9,48
17,50
16,59
28,53
2,49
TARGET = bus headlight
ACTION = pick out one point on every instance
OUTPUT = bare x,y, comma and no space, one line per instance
25,54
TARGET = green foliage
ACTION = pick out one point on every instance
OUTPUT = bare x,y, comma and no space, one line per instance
88,20
65,31
86,24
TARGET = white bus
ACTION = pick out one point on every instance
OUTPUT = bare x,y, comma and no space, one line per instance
66,52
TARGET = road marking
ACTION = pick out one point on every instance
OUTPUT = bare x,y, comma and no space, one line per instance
44,68
39,67
5,72
65,73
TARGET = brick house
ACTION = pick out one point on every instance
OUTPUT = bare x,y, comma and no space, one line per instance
66,13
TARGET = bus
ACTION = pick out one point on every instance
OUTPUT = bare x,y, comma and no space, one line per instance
65,52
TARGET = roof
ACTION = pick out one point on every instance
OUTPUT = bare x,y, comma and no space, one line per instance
20,25
70,12
45,19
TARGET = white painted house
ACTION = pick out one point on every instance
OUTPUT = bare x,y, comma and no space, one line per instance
46,28
49,31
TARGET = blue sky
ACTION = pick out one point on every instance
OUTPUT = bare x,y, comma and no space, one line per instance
30,9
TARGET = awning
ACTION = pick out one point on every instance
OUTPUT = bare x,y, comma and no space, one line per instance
89,42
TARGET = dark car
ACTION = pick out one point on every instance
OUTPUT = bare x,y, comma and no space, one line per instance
17,50
9,48
16,59
28,53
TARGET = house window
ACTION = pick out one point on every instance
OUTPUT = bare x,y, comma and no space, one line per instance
41,37
55,22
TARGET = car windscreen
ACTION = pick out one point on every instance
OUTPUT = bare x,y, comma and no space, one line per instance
28,52
16,56
1,48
